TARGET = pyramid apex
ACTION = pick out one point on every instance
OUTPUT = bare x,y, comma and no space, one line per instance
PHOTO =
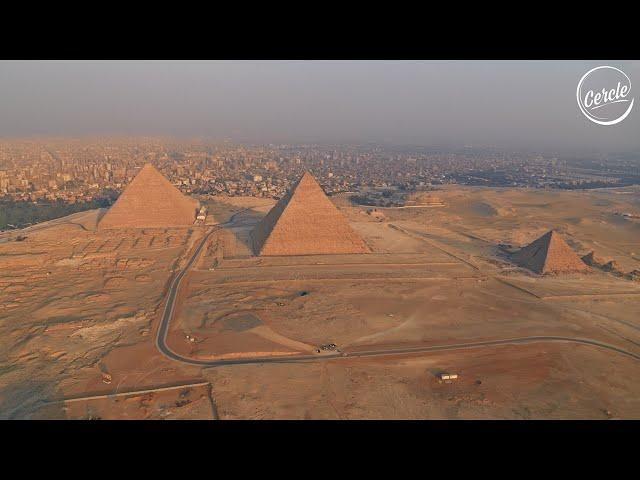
149,166
307,176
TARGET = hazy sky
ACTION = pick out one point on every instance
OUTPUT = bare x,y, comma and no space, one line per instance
509,104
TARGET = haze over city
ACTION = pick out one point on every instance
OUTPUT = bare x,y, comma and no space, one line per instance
504,104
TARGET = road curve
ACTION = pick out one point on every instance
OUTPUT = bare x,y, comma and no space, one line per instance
167,315
172,293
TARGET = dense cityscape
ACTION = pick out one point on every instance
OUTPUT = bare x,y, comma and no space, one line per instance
91,172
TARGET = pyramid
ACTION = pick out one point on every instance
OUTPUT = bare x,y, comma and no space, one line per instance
305,222
550,254
150,200
591,259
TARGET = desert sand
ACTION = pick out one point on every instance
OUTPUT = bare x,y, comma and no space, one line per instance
80,308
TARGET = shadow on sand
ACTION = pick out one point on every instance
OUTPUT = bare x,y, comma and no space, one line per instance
243,223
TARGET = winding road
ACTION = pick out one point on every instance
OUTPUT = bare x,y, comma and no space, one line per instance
169,308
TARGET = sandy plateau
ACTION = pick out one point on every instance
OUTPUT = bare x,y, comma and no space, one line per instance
80,309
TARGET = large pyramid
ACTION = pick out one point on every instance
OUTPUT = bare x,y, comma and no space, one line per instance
305,222
150,200
550,254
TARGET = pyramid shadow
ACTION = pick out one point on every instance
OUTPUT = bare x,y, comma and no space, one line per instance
240,232
250,215
242,239
101,213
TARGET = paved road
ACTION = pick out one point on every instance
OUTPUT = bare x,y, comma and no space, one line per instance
169,306
167,315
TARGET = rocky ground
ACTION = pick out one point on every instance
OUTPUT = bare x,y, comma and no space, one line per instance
78,309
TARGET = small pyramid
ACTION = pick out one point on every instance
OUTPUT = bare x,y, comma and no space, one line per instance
549,254
590,259
150,201
305,222
611,266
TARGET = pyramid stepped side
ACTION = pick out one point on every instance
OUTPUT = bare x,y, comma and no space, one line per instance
305,222
550,254
150,200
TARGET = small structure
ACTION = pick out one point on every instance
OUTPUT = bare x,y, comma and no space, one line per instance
202,214
447,377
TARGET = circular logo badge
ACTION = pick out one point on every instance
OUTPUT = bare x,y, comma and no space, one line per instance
604,95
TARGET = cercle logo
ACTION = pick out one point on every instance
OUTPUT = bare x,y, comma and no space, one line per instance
604,95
